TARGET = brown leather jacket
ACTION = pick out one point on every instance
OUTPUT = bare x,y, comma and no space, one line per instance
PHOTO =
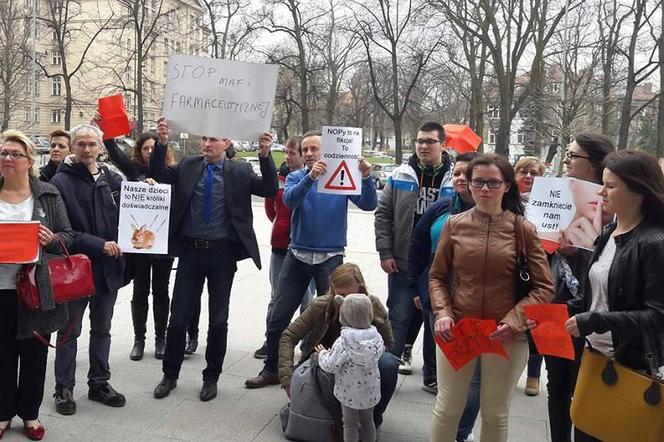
473,272
316,319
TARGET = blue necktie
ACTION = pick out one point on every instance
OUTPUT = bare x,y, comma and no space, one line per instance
207,195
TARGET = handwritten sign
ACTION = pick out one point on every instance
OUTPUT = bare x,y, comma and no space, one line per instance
470,339
341,151
559,204
219,98
550,335
20,242
144,212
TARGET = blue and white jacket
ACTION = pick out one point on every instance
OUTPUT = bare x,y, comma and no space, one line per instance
396,210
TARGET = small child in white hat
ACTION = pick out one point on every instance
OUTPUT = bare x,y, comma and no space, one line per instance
353,359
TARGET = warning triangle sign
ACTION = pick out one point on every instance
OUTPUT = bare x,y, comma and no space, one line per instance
341,179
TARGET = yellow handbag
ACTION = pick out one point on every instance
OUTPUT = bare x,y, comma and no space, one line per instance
615,403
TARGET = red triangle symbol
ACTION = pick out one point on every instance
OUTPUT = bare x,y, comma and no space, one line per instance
341,176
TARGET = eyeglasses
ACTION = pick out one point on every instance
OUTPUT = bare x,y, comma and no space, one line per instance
428,142
14,154
571,155
491,184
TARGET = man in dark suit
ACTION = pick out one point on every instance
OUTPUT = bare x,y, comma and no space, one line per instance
211,229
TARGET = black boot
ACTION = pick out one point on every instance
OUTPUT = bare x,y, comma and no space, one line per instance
159,348
192,345
137,351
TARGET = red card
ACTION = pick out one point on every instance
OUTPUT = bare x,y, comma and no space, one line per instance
113,117
471,339
550,335
20,242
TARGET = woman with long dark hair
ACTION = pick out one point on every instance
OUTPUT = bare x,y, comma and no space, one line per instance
143,266
620,311
473,275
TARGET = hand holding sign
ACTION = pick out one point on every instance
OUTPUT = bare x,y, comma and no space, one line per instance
470,339
550,335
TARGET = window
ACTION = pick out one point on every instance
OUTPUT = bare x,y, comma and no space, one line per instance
127,100
494,111
177,48
55,57
56,115
555,87
492,137
152,64
165,69
520,137
56,86
26,115
54,35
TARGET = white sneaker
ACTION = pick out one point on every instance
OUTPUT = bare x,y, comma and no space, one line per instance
470,438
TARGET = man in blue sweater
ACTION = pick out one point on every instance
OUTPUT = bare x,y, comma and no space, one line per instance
318,239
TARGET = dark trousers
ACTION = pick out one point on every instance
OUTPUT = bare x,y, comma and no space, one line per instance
218,266
101,316
293,282
428,343
158,271
400,308
21,389
561,374
534,359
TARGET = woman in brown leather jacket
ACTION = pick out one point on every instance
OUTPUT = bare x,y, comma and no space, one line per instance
473,276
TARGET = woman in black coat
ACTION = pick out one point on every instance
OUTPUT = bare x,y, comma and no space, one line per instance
23,197
621,309
143,265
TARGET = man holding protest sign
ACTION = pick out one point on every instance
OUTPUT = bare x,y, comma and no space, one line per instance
211,229
318,239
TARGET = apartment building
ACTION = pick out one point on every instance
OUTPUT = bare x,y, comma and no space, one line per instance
105,55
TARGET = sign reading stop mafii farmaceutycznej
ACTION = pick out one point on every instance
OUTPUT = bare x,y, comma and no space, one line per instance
341,150
144,215
219,98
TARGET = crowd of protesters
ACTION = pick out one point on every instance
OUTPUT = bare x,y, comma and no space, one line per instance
446,231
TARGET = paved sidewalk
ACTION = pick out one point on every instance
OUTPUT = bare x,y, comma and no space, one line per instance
239,414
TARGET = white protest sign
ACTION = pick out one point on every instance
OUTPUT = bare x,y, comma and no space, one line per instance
341,151
565,206
219,98
144,215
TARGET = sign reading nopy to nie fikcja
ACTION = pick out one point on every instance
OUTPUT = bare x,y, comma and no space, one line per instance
341,150
219,98
144,216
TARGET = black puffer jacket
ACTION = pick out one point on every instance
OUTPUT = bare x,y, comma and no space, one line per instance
93,211
636,295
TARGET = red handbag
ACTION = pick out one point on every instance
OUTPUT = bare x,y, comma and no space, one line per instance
71,279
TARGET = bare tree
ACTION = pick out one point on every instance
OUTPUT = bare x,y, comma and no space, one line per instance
460,14
69,26
385,28
336,45
232,24
512,29
299,62
14,36
641,12
146,21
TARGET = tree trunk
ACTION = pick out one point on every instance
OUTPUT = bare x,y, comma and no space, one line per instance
626,113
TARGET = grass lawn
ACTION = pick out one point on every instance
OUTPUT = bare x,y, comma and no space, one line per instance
279,158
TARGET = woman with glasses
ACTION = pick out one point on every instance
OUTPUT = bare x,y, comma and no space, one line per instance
583,161
23,197
526,170
621,308
473,275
